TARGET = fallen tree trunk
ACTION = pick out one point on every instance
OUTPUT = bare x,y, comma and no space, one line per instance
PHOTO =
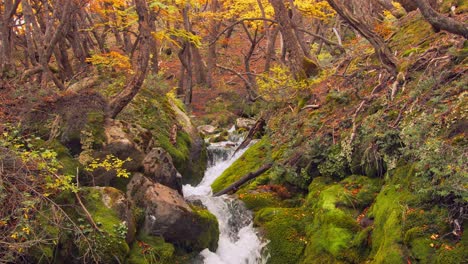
246,178
258,127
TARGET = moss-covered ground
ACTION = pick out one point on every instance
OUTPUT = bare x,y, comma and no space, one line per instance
408,149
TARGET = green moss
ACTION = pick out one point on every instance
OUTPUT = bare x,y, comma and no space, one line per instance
284,227
95,129
250,161
458,254
386,246
421,250
257,201
180,152
69,164
150,249
44,252
362,190
154,110
210,230
332,229
108,244
412,31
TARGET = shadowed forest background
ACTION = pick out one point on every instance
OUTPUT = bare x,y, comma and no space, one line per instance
355,114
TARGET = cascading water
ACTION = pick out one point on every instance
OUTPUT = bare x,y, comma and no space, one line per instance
239,242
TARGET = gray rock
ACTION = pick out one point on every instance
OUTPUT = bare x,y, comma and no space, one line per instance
122,140
167,214
207,129
245,123
158,166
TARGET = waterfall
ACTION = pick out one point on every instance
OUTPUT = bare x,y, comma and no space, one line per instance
239,242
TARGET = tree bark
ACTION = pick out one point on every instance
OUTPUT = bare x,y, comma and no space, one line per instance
441,22
122,99
9,10
301,66
254,40
270,51
257,128
387,4
211,58
383,52
244,179
410,5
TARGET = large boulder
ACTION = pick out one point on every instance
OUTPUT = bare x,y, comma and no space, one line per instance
245,123
128,142
167,214
158,166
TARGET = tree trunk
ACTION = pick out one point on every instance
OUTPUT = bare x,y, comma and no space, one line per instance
383,52
441,22
9,10
65,69
301,66
122,99
185,57
247,57
270,51
199,67
410,5
211,58
298,23
154,47
387,4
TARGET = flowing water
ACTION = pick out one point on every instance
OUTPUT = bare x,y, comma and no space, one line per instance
239,242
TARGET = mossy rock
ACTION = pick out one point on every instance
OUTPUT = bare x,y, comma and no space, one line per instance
250,161
362,190
332,231
150,249
284,228
209,235
387,237
108,245
189,151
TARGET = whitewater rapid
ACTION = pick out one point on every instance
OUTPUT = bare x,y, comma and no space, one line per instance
239,242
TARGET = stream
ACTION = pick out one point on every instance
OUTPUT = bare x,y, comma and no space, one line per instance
239,242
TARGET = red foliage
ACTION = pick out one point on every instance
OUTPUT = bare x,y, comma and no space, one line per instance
281,191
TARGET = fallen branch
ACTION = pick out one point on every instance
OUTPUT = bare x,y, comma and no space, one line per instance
83,84
240,75
252,175
87,214
256,128
310,107
89,217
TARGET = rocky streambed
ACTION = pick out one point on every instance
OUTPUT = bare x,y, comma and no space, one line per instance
239,242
